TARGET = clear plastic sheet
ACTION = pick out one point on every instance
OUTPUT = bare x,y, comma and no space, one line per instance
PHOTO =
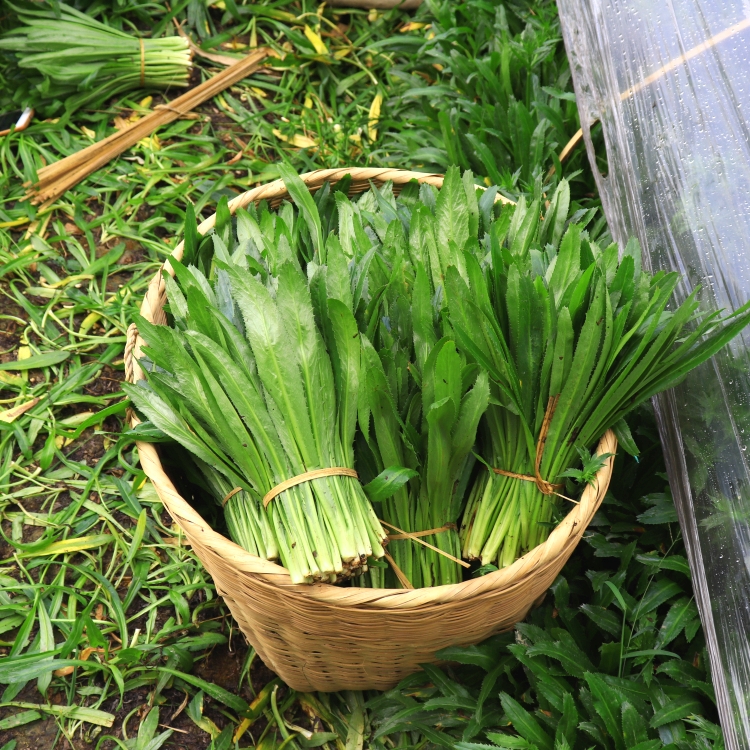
670,82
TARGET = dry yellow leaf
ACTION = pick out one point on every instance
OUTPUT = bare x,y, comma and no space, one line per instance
24,352
76,419
374,116
219,98
14,223
412,26
67,546
146,102
10,415
152,143
64,671
316,41
89,132
297,140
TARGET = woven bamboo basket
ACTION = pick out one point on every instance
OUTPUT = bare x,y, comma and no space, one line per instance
324,637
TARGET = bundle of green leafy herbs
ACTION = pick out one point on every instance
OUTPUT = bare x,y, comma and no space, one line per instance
569,331
425,400
65,59
377,334
260,392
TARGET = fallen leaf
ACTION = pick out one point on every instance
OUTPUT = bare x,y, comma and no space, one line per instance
297,140
374,116
413,26
88,322
10,415
316,41
65,671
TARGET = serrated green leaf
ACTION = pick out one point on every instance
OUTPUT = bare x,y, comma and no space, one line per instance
525,724
676,709
304,201
634,726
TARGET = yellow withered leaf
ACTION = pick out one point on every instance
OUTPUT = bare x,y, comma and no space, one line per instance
316,41
150,143
297,140
10,415
413,26
373,118
8,378
76,419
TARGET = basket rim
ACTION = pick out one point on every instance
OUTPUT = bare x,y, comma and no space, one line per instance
564,536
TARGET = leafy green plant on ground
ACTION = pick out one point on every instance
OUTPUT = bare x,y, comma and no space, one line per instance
486,87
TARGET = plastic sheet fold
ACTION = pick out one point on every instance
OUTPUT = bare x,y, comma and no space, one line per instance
670,83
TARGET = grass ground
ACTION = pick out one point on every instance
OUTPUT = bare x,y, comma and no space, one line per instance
95,583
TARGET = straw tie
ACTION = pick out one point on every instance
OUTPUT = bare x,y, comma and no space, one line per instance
415,536
336,471
544,486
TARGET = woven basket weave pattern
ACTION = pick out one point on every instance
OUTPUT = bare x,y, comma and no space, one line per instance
323,637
